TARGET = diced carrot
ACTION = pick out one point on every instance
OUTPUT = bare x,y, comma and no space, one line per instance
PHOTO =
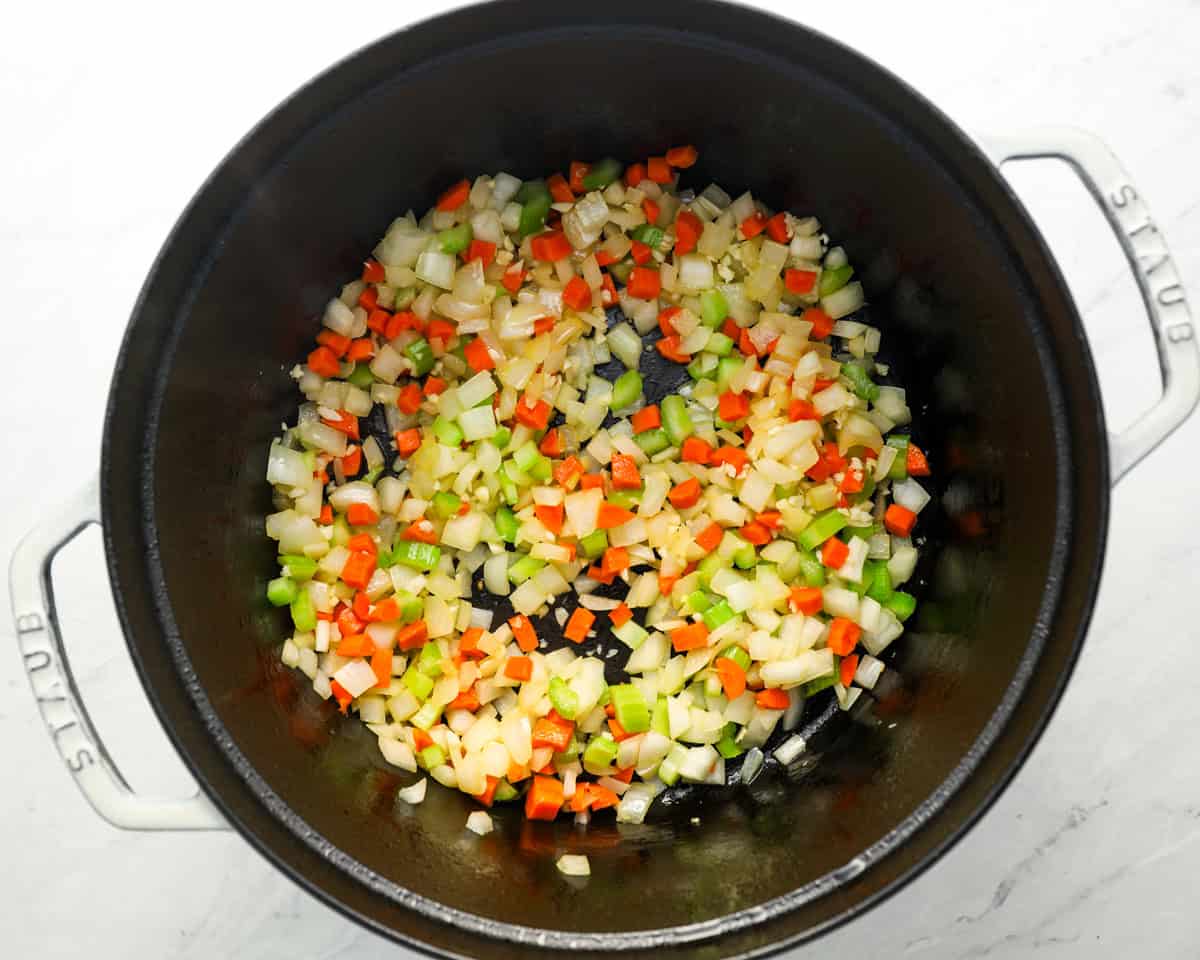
682,157
688,228
421,739
362,603
843,636
753,225
802,410
651,209
524,633
361,515
352,461
852,481
666,319
580,623
422,532
822,323
551,246
591,480
625,474
478,356
771,519
834,553
666,583
644,283
381,663
346,423
516,773
559,189
686,494
578,171
347,622
601,798
618,732
489,791
610,515
324,362
335,342
468,644
408,441
483,250
544,799
577,294
581,799
695,450
455,196
615,560
847,668
512,278
692,637
385,610
745,344
550,516
554,733
669,348
518,668
358,569
535,416
369,299
733,677
552,443
601,575
568,472
731,329
648,418
377,320
658,170
440,329
799,281
635,173
542,325
326,516
355,645
412,636
772,699
829,462
806,600
899,520
733,406
736,457
710,537
755,533
341,694
620,614
777,228
608,293
639,252
916,463
373,272
625,776
409,399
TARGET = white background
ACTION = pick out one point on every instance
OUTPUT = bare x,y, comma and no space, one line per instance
113,115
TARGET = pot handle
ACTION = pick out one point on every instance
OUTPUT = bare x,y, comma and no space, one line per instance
58,698
1157,278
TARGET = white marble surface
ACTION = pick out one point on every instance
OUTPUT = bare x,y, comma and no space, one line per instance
115,112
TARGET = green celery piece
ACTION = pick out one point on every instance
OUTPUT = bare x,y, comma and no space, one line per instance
304,614
698,601
824,526
652,441
506,524
526,456
419,685
727,746
502,437
902,604
298,567
833,280
719,344
626,498
820,683
419,556
709,566
505,791
726,368
446,504
456,239
430,660
660,718
630,708
703,367
421,355
745,557
372,475
542,469
535,200
600,754
404,298
648,234
281,591
718,614
860,382
621,271
427,716
432,756
738,655
676,421
411,607
524,568
899,467
563,698
626,389
361,376
811,569
713,308
602,174
594,544
447,432
879,581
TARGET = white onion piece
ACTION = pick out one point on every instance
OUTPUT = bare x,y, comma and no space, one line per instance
575,864
414,794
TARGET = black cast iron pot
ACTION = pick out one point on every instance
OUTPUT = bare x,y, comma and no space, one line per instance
978,324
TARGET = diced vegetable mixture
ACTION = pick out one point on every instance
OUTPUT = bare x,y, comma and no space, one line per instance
758,522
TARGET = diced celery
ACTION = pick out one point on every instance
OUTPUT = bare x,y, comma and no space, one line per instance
420,556
419,685
430,660
298,567
304,614
447,432
703,367
713,308
719,344
709,566
652,441
600,754
456,239
526,456
524,568
824,526
899,467
676,421
506,524
281,591
630,708
902,604
361,376
811,569
626,389
563,698
698,601
630,634
879,580
446,504
594,544
602,174
726,368
432,756
860,382
738,655
718,614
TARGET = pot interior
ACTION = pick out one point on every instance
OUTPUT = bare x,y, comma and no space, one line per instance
806,126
